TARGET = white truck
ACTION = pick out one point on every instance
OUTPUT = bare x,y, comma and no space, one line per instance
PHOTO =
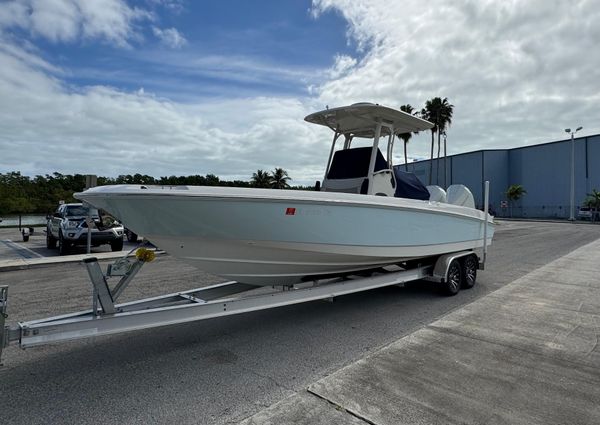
68,226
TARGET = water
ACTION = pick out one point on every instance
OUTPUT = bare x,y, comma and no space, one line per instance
26,219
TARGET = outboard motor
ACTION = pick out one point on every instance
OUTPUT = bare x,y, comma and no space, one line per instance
436,193
459,194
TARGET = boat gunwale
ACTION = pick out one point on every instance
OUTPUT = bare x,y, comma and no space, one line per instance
241,197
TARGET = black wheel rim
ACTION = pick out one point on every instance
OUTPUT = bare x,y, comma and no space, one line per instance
454,277
470,270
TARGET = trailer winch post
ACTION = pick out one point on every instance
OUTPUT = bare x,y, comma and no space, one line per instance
101,292
131,272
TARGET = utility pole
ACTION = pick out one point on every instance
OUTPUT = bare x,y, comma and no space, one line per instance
572,206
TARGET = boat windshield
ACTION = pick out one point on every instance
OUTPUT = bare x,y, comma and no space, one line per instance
79,210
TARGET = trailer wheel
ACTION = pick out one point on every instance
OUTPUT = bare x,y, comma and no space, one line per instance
469,271
453,278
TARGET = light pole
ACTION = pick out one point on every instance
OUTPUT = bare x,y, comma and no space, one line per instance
572,133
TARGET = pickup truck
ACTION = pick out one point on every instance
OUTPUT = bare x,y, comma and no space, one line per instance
68,226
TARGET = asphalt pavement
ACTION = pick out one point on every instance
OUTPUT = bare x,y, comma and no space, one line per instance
224,370
524,354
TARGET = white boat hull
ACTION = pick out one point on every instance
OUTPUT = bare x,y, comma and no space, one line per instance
279,237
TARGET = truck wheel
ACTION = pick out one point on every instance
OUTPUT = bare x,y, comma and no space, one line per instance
63,246
50,240
117,245
453,278
469,271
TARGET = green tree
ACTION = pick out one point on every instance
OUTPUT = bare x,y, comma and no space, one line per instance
212,180
261,179
279,179
593,199
406,136
514,193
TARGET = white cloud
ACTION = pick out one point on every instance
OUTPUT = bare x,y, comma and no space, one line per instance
517,71
175,6
68,20
342,65
170,37
50,126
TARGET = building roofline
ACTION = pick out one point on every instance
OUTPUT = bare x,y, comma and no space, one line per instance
511,149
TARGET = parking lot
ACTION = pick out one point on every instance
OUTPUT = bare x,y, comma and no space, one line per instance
223,370
12,246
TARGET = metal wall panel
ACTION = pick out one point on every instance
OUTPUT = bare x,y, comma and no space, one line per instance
543,170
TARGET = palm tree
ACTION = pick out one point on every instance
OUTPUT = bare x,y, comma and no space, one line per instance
514,193
406,136
279,179
429,113
261,179
445,119
593,199
439,112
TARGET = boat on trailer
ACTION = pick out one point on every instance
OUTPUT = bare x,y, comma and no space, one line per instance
356,221
360,232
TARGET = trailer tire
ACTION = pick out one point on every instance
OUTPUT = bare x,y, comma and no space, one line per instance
453,278
469,271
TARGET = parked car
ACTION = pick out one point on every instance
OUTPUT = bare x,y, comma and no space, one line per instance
68,227
588,213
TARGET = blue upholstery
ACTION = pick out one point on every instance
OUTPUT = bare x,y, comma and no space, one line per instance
354,163
409,186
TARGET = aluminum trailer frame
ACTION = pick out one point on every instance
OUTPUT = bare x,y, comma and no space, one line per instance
218,300
224,299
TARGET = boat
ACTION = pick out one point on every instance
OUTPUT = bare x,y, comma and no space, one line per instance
354,221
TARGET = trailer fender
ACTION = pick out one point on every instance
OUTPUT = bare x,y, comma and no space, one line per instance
440,270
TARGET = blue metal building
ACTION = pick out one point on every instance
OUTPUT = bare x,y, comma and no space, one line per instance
543,170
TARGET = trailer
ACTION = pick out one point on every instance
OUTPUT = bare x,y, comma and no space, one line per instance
451,271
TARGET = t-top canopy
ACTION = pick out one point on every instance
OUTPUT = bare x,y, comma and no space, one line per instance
360,120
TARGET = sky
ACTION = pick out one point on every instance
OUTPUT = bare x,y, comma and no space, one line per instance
179,87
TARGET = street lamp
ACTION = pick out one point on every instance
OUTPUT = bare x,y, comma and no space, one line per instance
572,133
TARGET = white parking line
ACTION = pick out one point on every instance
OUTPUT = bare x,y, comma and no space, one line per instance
20,248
